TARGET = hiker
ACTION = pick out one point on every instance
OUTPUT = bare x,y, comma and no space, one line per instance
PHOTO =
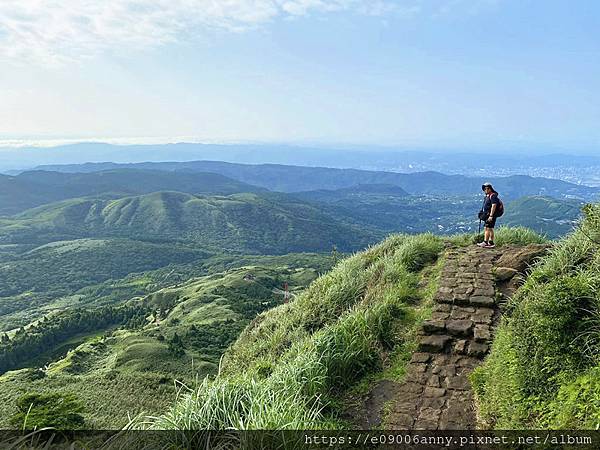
492,209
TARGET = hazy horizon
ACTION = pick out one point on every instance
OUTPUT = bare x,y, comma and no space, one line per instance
410,73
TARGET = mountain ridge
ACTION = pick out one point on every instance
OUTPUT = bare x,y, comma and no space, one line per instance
288,178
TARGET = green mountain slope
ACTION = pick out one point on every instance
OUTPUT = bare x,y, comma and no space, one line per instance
292,361
545,215
251,223
35,188
49,277
292,366
180,335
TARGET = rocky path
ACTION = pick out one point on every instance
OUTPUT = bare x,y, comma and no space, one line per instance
436,393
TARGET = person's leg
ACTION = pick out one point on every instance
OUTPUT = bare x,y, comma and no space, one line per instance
484,242
490,229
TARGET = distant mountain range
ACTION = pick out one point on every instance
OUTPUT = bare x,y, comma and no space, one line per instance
233,206
365,157
297,178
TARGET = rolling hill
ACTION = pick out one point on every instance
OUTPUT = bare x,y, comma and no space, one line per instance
131,367
250,223
35,188
545,215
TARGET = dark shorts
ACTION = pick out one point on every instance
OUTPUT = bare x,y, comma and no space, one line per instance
491,224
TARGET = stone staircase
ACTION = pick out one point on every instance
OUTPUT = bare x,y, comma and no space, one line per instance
436,392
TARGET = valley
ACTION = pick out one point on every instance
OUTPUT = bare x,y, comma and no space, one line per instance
141,278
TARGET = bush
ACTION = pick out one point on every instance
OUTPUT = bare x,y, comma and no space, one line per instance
548,343
577,404
35,411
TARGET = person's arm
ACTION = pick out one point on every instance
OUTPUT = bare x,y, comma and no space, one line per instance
492,211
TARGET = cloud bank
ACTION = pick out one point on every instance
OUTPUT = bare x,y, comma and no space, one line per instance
49,31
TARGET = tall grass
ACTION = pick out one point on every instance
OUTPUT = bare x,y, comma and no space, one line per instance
549,341
284,368
517,236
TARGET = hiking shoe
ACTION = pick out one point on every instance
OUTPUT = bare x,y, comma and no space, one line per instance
482,244
489,246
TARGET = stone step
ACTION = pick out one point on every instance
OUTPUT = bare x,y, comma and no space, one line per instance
477,349
435,343
462,328
434,326
480,300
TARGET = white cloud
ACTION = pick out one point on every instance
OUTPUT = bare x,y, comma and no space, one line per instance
47,31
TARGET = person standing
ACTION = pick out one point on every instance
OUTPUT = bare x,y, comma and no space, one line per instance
492,209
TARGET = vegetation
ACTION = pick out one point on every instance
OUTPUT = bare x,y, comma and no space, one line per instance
124,288
37,411
549,216
517,236
247,223
290,362
174,333
48,333
543,368
35,188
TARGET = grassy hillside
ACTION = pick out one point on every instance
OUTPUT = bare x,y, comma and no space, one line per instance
545,215
292,362
35,188
248,223
49,277
132,369
544,367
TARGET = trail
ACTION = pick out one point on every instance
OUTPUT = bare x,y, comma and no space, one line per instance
436,393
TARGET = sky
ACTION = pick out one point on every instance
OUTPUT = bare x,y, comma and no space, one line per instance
428,73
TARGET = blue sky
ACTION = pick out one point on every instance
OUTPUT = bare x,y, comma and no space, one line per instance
416,73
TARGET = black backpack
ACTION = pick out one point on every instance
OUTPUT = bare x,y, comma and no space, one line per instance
499,211
500,208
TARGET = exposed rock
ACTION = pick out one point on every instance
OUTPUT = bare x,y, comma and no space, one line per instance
433,392
481,300
420,357
483,315
434,326
505,273
434,343
521,258
459,327
477,349
482,333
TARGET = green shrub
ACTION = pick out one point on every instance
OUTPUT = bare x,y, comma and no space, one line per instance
577,404
60,411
